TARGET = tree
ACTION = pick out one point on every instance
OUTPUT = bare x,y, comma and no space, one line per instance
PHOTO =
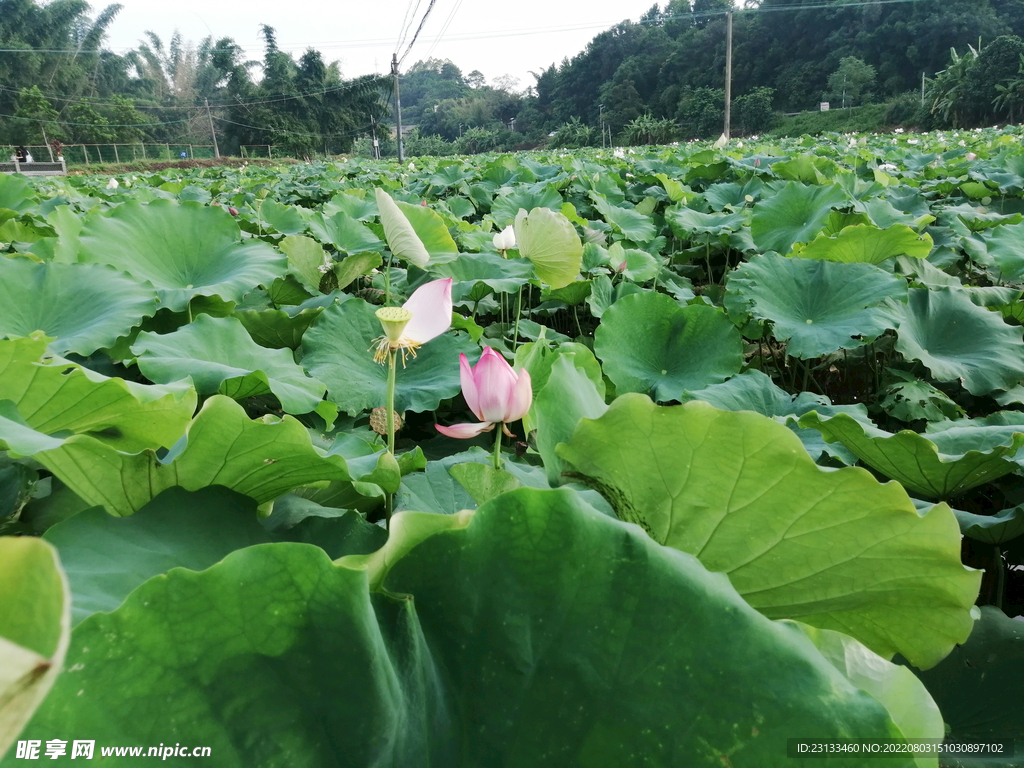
852,82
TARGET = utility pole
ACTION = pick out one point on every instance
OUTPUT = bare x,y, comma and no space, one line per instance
213,133
728,72
600,116
398,108
922,89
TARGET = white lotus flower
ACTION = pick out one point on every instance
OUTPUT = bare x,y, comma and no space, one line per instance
506,239
112,184
619,152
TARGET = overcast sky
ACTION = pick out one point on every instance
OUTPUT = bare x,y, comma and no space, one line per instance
496,38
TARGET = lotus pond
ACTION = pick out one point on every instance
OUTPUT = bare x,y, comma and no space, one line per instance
691,451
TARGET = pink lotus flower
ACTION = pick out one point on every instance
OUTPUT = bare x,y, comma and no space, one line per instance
971,156
425,316
495,394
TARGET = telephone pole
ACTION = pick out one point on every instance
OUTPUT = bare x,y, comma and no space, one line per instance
398,108
728,72
213,133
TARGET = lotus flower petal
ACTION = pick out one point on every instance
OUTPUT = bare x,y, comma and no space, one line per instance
495,381
431,307
464,431
522,397
469,390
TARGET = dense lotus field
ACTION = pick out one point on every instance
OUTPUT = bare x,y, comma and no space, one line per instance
691,451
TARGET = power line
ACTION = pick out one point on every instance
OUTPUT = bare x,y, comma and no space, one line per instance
353,132
444,27
96,125
419,29
403,32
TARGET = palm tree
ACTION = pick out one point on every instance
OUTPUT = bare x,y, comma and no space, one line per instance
949,91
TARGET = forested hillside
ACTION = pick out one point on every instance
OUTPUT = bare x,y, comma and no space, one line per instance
657,78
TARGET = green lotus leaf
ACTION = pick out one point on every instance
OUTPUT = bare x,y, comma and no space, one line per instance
992,529
54,395
482,481
795,214
632,224
278,328
354,203
336,352
907,398
402,239
305,257
507,205
82,307
437,674
738,491
548,240
686,222
977,687
264,459
567,396
958,340
431,230
351,267
893,685
1005,247
35,628
345,233
286,219
648,343
16,195
640,265
477,275
222,358
106,557
866,244
915,460
817,307
183,249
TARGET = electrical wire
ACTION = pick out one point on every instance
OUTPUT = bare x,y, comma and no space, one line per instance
97,125
419,29
444,28
353,132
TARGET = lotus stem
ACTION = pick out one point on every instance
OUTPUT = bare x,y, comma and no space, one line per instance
389,502
1000,578
497,447
519,311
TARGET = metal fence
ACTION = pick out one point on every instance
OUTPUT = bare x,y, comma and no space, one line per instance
85,154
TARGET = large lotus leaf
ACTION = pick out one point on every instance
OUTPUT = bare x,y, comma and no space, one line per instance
264,459
795,214
402,238
35,627
1005,247
183,249
305,258
958,340
567,396
346,233
977,687
286,219
83,307
893,685
16,195
433,670
222,358
278,328
335,351
818,307
506,206
957,436
54,395
686,222
479,274
915,460
648,343
992,529
630,222
866,244
834,549
550,241
106,557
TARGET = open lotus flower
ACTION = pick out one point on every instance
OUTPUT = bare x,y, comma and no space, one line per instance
495,394
425,316
506,239
112,184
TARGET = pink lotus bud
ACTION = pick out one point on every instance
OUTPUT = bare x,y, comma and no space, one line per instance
494,393
971,156
622,267
423,203
232,210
